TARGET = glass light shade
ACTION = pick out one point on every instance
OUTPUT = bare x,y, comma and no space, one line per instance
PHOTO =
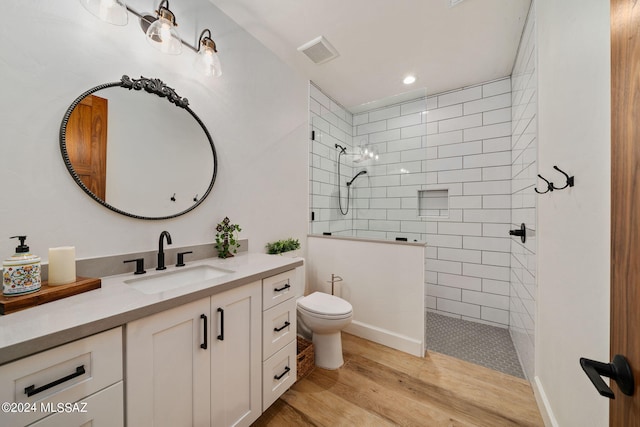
111,11
162,35
208,62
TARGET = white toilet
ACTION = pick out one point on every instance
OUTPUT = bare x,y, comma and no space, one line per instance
325,315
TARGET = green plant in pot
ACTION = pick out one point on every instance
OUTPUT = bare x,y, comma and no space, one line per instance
281,246
227,238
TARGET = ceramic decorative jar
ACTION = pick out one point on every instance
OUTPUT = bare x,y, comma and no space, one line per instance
21,272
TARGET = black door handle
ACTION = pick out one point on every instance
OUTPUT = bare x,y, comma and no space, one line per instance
221,336
204,344
618,370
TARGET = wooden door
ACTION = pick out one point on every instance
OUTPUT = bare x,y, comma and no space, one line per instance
625,202
87,143
168,372
236,356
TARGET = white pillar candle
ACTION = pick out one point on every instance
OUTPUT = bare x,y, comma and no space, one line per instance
62,265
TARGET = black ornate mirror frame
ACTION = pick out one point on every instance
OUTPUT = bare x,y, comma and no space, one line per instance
153,86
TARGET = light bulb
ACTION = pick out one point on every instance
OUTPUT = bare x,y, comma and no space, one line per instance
162,33
110,11
207,62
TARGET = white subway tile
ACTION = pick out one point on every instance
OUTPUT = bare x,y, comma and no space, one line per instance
502,158
486,132
496,173
488,104
413,155
496,244
384,225
496,202
486,271
405,121
413,107
495,315
360,119
413,226
462,255
369,214
460,229
444,292
464,122
387,203
460,175
321,124
460,96
496,88
404,144
438,114
488,215
462,149
413,178
384,113
329,116
465,202
444,266
485,299
371,127
496,116
444,138
502,259
389,135
411,131
495,287
444,164
457,307
402,214
444,241
384,181
487,187
320,97
496,230
458,281
496,144
403,190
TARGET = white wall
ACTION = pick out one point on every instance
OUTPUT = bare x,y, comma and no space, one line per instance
573,224
256,113
524,170
383,281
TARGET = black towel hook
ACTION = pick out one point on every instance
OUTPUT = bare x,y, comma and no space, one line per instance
549,185
570,182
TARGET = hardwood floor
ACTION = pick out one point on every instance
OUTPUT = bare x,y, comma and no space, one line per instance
379,386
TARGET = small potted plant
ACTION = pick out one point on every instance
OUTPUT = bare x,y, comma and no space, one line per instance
226,238
280,246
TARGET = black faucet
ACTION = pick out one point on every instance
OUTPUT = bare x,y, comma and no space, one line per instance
164,234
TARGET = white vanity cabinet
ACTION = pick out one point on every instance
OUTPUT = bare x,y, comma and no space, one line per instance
278,336
75,384
198,364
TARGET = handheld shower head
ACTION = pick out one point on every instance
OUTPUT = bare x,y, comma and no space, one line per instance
354,178
343,150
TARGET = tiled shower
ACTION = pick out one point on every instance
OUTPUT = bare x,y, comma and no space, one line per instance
455,170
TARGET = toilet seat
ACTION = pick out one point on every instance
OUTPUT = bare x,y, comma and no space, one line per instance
325,306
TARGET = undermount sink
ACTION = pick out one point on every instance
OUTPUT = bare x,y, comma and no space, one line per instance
176,279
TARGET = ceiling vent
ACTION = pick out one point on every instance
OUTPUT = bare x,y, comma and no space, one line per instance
319,50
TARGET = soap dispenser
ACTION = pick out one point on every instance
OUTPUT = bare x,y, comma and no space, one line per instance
21,272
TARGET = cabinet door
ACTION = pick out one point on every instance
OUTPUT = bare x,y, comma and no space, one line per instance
236,356
168,371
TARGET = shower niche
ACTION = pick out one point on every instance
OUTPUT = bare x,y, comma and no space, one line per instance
433,203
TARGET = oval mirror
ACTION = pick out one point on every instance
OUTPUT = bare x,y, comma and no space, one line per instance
137,148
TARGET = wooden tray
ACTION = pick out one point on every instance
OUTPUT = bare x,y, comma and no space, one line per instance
48,293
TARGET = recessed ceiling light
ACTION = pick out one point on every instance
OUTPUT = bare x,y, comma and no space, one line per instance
409,79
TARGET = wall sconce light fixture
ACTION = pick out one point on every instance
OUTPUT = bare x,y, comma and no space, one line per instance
160,31
111,11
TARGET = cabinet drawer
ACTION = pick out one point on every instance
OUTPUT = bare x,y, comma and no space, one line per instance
279,327
278,288
63,374
278,374
103,409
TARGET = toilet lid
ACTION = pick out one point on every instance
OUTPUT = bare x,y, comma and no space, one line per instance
321,303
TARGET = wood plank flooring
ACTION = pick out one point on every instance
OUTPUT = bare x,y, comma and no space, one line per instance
380,386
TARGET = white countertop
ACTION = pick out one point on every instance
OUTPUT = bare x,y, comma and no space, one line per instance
116,303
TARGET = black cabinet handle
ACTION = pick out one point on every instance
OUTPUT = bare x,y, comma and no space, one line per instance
286,371
287,286
31,390
281,327
618,370
221,336
206,339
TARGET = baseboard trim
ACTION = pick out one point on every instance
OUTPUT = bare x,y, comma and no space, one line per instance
543,404
386,337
